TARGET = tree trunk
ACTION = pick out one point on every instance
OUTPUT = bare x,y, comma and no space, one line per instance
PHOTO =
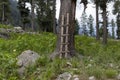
67,7
54,19
104,27
3,13
32,14
113,33
118,25
97,23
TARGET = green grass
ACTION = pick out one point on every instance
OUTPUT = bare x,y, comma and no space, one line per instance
6,26
95,62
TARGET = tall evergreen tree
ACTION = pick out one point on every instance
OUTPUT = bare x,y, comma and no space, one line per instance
90,24
76,27
113,28
4,11
97,5
97,20
54,17
46,14
103,6
32,3
116,11
84,23
14,13
24,11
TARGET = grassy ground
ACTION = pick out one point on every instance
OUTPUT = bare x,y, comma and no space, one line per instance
98,60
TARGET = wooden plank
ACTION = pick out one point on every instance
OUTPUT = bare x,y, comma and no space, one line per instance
64,35
64,51
62,23
64,43
67,18
62,30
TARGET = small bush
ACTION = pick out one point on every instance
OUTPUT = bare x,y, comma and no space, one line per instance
110,73
97,72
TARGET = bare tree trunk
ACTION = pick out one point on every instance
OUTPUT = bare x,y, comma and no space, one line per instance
104,27
67,7
3,13
113,33
32,14
97,23
54,19
118,25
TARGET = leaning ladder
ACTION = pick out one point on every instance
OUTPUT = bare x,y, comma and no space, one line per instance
64,37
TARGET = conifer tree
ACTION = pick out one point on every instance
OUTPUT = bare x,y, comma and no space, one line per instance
90,24
4,11
113,27
46,15
84,23
103,6
24,12
116,11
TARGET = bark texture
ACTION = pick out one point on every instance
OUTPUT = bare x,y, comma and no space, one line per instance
32,14
67,6
97,23
105,27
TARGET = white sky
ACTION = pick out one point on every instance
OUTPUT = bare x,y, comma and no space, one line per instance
90,10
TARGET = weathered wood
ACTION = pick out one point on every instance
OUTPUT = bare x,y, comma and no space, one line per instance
66,41
64,35
66,7
61,46
64,52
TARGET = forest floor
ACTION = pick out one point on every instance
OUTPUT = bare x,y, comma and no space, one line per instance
99,61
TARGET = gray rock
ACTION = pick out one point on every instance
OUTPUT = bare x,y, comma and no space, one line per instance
118,77
26,59
92,78
18,30
76,77
4,33
64,76
3,30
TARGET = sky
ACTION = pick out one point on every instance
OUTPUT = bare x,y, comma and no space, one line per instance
90,10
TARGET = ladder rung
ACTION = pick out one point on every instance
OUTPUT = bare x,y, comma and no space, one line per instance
65,35
64,43
65,25
64,51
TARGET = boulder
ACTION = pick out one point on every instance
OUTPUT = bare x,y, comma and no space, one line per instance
76,77
118,77
4,33
92,78
64,76
25,60
18,30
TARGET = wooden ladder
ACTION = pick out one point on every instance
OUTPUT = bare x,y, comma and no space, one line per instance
64,37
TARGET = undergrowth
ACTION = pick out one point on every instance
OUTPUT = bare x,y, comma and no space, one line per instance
97,58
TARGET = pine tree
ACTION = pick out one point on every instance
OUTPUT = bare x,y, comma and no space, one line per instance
24,12
103,6
97,20
46,15
76,27
32,14
116,11
90,24
14,13
84,23
4,11
113,28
